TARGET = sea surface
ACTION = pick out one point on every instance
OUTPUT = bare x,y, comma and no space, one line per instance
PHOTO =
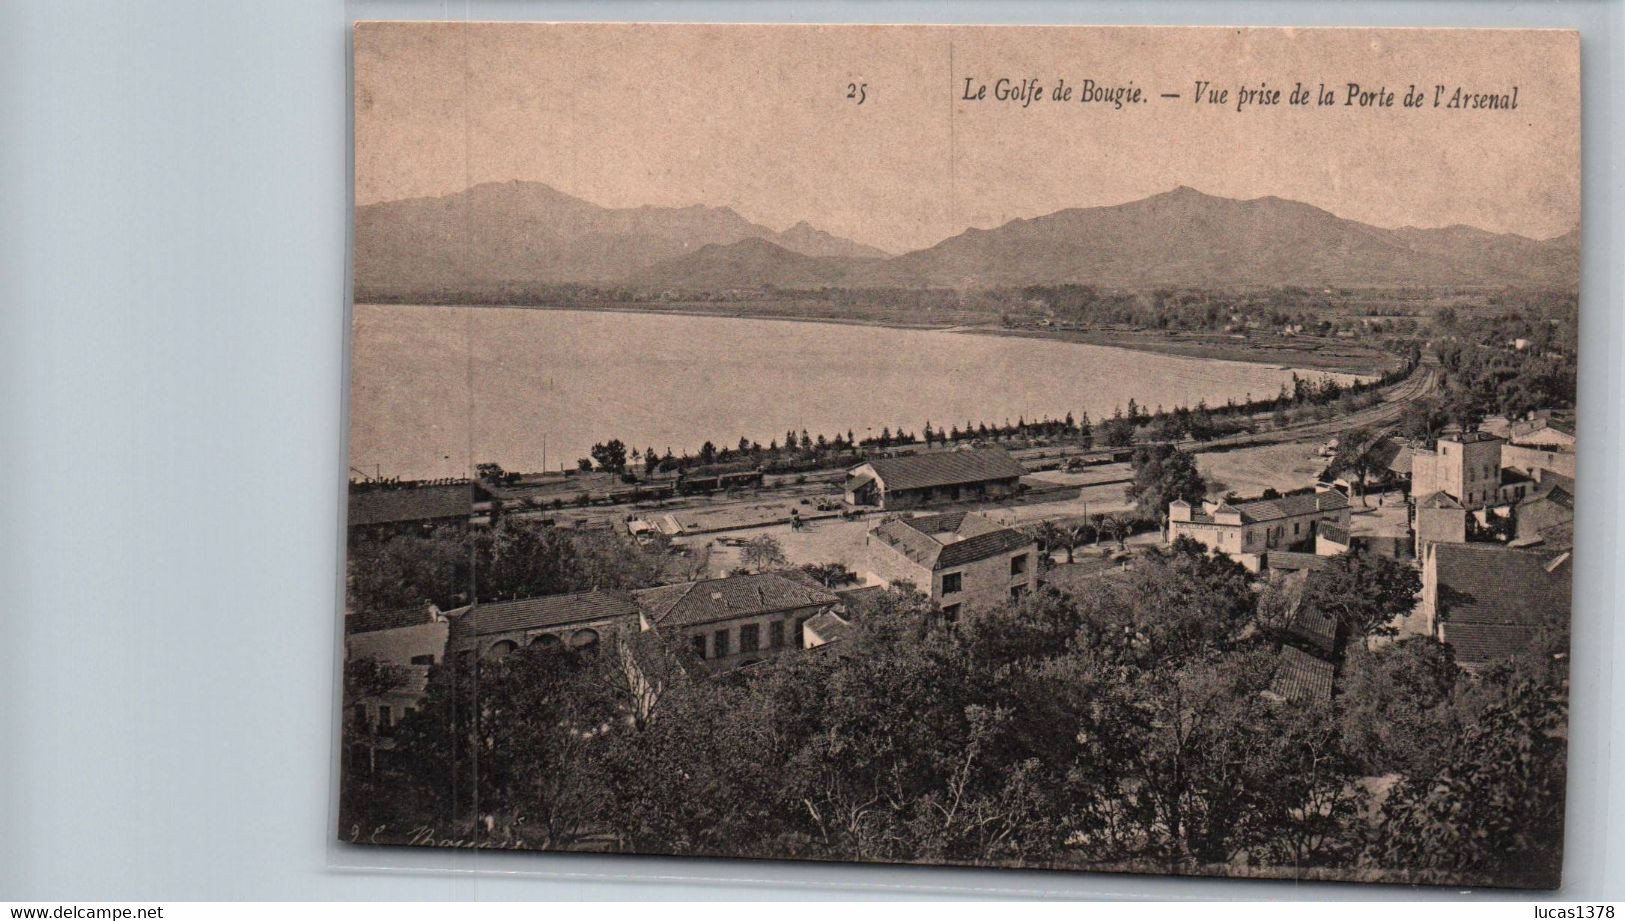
436,390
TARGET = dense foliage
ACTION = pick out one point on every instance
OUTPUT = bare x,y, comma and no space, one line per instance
452,565
1130,724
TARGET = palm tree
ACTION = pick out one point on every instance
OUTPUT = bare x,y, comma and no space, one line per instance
1118,523
1072,536
1047,535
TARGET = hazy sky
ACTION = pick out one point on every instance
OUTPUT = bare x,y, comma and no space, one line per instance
756,118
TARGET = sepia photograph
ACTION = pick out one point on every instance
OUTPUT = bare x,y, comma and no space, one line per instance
1116,449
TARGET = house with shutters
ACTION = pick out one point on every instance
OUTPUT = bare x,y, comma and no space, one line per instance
741,619
1246,531
955,558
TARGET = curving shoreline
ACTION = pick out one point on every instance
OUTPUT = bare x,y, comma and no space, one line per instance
1319,355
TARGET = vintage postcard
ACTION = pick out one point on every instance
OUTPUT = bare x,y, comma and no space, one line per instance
1128,449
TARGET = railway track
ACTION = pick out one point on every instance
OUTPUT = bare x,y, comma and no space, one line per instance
1422,382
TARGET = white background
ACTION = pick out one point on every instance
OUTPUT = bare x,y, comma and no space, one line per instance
173,252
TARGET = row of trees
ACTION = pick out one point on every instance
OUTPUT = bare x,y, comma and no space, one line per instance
801,450
1130,725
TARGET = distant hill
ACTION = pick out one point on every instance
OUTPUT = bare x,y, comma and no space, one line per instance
750,263
1185,237
516,233
808,240
496,234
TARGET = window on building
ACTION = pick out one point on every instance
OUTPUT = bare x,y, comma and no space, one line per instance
699,645
953,582
950,612
1016,591
1295,528
775,634
358,714
1018,564
750,638
423,660
386,716
719,643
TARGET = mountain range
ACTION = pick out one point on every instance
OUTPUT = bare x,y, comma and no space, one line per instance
523,233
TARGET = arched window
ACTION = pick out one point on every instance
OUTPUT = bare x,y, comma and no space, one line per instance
501,648
585,639
545,640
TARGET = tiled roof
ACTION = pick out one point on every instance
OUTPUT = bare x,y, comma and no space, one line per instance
828,627
1558,536
1479,644
1292,506
1335,534
945,468
1316,627
1551,493
1301,676
1259,510
1437,500
1394,455
725,599
1531,428
954,539
421,503
545,611
1553,478
1491,598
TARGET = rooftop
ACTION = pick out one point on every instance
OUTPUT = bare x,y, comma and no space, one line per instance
1491,599
420,503
1438,500
729,598
1301,676
954,539
1335,533
1314,626
1259,510
1479,644
945,468
1394,455
1553,478
1467,438
827,628
541,612
1554,493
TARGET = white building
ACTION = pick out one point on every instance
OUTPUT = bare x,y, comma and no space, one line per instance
1246,531
955,558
